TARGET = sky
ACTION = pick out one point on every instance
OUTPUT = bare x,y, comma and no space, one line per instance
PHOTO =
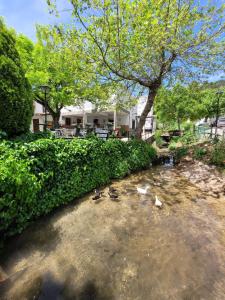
22,15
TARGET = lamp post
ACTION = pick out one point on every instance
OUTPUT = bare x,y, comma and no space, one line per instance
218,94
45,89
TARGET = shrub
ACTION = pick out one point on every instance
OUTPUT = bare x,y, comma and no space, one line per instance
188,138
36,177
16,104
180,152
218,153
33,136
158,139
199,152
172,146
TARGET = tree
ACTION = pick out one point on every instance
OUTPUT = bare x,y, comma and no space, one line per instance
147,43
177,105
213,103
62,68
16,105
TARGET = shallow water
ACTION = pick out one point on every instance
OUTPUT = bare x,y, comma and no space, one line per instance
125,249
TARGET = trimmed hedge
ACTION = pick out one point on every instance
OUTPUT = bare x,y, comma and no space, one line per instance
16,101
37,177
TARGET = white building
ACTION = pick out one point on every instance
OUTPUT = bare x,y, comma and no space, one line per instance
38,119
89,115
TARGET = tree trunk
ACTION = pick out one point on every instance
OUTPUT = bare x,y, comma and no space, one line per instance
56,117
147,109
178,123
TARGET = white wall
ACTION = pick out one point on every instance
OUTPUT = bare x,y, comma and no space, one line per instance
38,108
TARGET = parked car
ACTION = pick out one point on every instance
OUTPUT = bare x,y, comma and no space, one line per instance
221,122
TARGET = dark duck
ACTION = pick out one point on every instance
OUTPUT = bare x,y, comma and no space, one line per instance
113,193
97,195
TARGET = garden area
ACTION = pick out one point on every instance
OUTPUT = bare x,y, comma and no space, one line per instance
137,213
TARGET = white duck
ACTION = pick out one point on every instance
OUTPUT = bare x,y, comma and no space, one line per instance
158,203
142,191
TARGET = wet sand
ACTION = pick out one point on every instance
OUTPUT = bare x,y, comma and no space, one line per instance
126,249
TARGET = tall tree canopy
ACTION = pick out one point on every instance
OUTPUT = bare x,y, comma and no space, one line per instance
146,43
53,61
191,102
16,103
177,105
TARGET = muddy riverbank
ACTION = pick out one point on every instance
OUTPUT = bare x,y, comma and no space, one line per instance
127,249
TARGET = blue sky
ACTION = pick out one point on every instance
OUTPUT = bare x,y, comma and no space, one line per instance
22,15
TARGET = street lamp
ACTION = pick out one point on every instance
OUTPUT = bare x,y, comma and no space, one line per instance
45,89
218,94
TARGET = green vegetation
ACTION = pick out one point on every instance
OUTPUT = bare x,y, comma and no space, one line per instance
218,154
51,61
16,103
176,106
199,152
180,152
36,177
143,44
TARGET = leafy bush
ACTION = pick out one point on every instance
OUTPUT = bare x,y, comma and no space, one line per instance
3,135
218,154
188,138
199,152
158,139
172,146
188,126
16,104
33,136
36,177
180,152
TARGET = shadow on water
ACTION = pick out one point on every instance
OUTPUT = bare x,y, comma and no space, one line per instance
43,241
91,292
50,288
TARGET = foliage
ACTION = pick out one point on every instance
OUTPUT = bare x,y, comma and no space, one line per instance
16,105
199,152
3,135
185,104
180,152
172,146
188,138
218,154
36,177
53,62
158,139
212,104
143,44
175,105
33,136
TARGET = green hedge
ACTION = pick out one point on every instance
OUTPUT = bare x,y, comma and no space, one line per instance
218,153
36,177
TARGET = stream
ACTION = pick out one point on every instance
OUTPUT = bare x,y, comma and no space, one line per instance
127,249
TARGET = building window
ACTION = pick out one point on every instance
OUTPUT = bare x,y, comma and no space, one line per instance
133,124
68,122
36,127
95,122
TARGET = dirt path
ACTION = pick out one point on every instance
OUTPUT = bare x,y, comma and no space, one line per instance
125,250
